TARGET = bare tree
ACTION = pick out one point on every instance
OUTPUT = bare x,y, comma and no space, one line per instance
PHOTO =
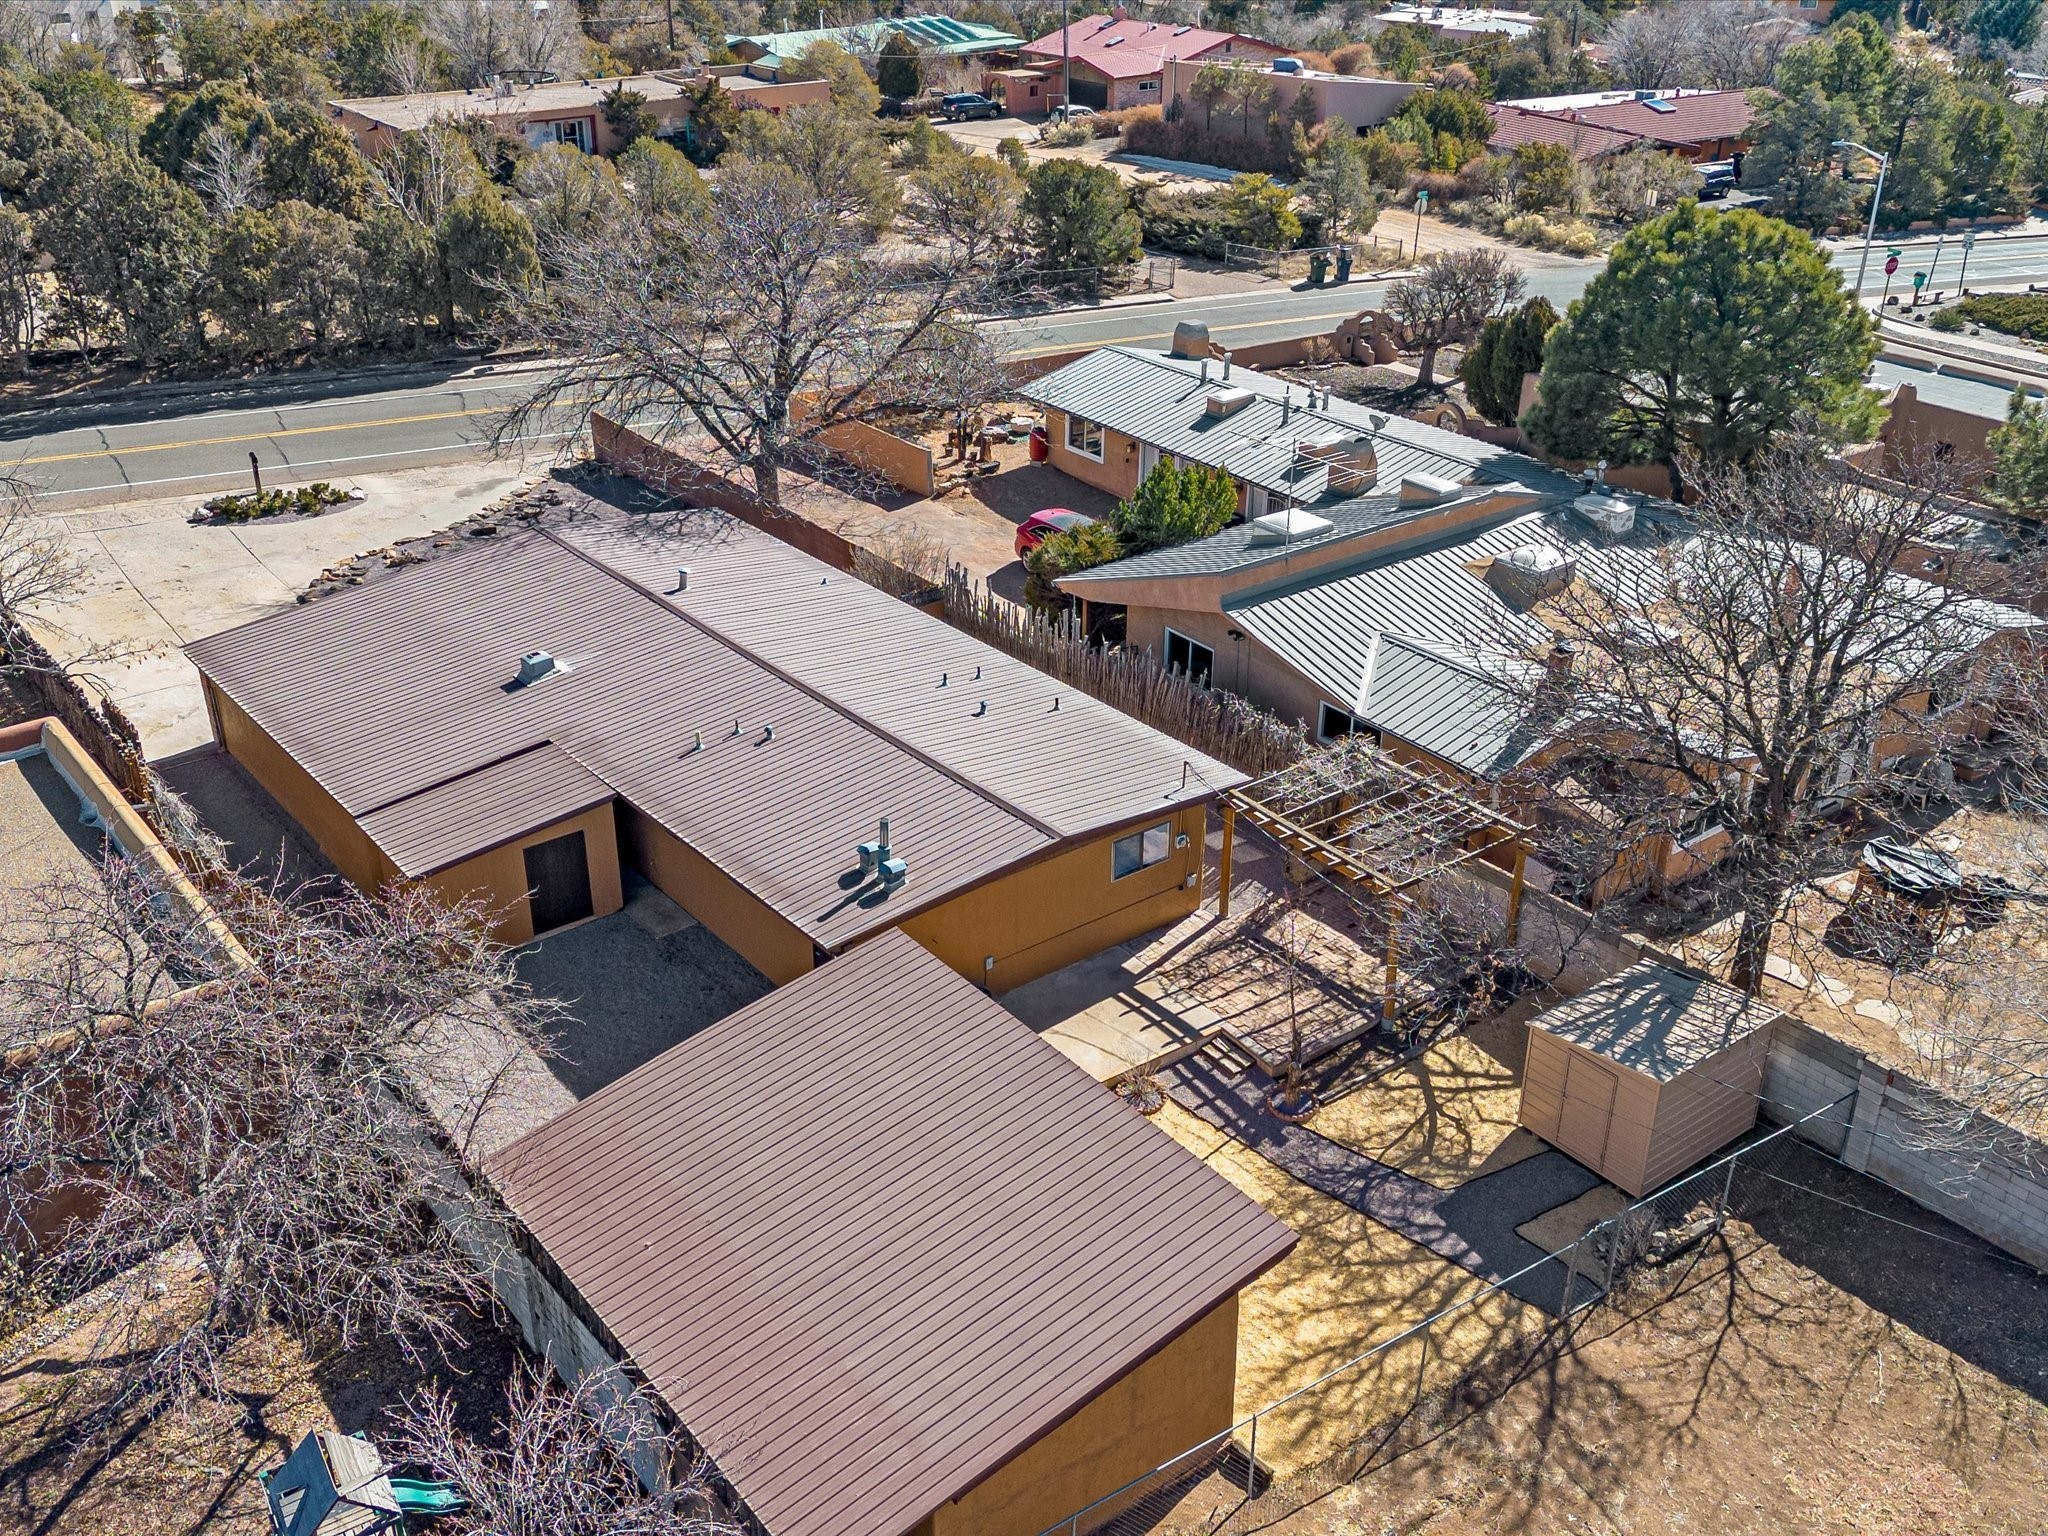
563,1463
40,576
1451,295
1653,49
1762,663
754,330
485,38
241,1128
227,171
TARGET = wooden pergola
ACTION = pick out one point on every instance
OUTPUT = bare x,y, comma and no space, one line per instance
1368,821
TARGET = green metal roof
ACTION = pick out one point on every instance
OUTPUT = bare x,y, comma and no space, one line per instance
939,34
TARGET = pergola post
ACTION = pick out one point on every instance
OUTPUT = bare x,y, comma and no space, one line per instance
1393,966
1223,864
1515,890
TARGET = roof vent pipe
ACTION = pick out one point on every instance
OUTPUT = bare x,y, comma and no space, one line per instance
1226,367
534,666
682,578
1286,404
1205,370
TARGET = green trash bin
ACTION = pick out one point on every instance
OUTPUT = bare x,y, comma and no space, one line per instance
1318,267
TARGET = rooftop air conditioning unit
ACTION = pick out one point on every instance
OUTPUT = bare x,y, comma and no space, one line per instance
1528,573
1612,515
1288,527
1287,66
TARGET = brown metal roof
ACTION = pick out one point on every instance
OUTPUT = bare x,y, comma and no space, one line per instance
399,687
1656,1020
871,1236
494,804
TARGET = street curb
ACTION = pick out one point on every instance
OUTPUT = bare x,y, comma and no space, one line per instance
1137,302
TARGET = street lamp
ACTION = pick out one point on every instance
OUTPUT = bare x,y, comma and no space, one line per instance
1884,163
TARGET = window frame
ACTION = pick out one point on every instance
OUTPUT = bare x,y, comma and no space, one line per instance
1141,838
1354,726
1095,427
1207,674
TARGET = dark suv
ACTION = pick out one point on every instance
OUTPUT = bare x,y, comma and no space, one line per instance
963,105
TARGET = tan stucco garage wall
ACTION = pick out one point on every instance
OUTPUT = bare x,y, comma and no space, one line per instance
773,945
1062,909
312,807
499,876
1178,1398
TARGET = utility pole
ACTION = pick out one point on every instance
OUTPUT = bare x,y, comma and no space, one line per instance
1066,63
669,6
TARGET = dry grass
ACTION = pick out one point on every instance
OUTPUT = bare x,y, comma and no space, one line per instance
1446,1117
1349,1284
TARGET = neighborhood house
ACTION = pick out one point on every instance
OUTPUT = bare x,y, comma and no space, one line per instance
797,759
1116,61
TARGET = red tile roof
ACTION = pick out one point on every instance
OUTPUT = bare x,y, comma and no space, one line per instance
870,1237
1515,126
1125,50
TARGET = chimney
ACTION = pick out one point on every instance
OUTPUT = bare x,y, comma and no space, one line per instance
1190,339
1558,661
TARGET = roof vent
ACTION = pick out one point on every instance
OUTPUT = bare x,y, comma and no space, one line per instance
1353,463
1612,515
1228,402
1529,573
1288,527
1420,490
534,666
1190,339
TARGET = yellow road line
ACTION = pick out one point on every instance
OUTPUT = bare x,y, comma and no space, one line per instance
257,437
1214,330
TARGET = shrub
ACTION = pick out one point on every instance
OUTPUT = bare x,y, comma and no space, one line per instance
1353,59
2017,314
1441,186
1011,152
1066,135
1527,229
1149,133
307,500
1107,125
1947,319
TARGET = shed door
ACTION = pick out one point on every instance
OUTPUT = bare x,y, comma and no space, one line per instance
1588,1110
558,880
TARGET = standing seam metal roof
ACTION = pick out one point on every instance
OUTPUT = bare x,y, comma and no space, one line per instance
1163,400
400,687
870,1237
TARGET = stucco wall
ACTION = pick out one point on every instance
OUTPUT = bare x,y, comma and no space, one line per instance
345,843
1062,909
499,876
1117,473
1180,1397
772,944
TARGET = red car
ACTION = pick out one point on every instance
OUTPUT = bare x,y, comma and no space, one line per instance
1033,530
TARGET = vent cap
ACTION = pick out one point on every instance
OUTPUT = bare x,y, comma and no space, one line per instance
1421,490
1612,515
535,665
1288,527
1228,402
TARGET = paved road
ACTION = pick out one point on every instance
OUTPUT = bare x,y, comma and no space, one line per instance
307,430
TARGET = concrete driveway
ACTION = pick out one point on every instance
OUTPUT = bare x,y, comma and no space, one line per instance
156,581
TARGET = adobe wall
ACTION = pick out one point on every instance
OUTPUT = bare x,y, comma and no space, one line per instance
498,875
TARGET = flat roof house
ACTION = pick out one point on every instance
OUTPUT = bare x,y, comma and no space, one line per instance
1360,100
731,717
890,1259
559,111
1116,61
943,36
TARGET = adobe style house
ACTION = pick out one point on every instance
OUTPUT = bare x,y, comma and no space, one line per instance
766,53
1694,125
1383,571
1359,100
561,111
800,761
890,1260
1116,61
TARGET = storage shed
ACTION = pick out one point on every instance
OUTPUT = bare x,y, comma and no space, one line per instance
1646,1073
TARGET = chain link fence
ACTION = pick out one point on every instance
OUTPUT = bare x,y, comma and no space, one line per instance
1409,1388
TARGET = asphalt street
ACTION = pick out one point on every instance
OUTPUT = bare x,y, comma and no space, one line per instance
309,429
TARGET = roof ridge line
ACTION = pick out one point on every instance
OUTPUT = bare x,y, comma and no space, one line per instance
703,627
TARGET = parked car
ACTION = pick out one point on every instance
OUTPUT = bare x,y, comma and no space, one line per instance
1717,179
1059,115
1036,528
963,105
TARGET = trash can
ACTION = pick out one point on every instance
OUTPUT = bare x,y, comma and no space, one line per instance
1040,445
1318,267
1343,263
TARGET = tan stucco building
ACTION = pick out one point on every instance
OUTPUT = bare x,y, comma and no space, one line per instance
525,721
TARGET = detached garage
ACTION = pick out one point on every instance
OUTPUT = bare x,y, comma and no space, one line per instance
1645,1074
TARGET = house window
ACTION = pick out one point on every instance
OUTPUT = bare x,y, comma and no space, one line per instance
1147,85
1140,850
1085,437
1333,723
1191,657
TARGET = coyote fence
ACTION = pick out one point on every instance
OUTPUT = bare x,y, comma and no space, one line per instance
1208,719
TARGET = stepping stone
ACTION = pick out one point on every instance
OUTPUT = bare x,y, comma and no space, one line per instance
1780,969
1879,1010
1835,990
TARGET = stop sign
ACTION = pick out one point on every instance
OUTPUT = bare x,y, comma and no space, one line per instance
1891,265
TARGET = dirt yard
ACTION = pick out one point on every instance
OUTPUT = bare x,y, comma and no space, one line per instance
1349,1284
1861,1368
184,1474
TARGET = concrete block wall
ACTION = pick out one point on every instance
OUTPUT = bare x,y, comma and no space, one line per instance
1998,1190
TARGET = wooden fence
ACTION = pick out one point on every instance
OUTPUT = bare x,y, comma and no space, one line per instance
1207,719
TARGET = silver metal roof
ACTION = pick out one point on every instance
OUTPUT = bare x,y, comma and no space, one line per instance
1656,1020
1163,400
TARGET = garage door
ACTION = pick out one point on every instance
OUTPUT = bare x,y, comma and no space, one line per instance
1583,1128
1090,93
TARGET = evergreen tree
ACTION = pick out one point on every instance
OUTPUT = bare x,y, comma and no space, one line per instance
896,70
2020,447
1509,347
